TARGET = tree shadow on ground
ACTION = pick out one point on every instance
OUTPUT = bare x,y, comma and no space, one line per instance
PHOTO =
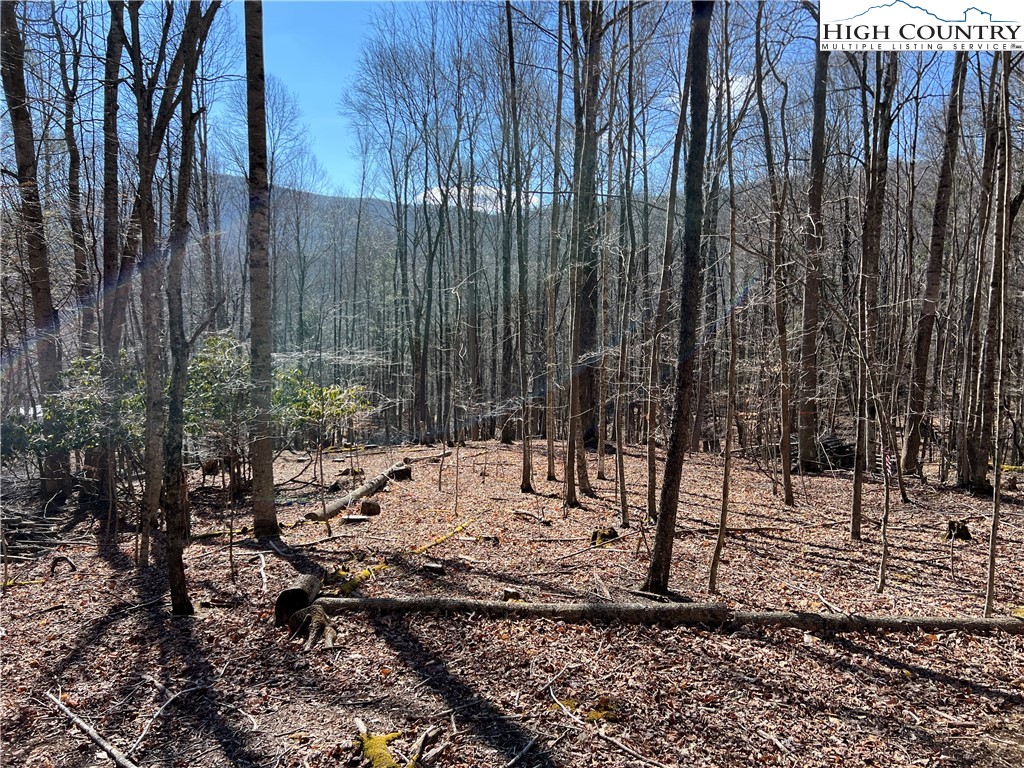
485,719
178,655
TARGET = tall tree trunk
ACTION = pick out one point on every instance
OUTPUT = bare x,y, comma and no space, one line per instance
877,132
967,431
110,334
175,496
693,215
730,408
997,324
587,42
658,323
153,120
69,75
550,395
56,472
262,450
933,271
625,293
814,242
778,200
526,483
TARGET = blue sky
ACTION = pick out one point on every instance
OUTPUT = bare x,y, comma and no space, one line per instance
313,47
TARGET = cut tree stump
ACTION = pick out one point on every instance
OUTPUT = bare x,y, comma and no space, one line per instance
717,615
299,594
400,471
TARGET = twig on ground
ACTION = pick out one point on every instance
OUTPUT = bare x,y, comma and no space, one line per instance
116,755
159,712
603,545
522,753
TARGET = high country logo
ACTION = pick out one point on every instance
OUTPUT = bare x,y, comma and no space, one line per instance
860,25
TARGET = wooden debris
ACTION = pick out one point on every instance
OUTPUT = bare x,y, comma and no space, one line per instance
957,530
354,519
603,536
119,758
420,753
398,471
297,595
312,625
434,457
717,615
375,746
531,516
62,559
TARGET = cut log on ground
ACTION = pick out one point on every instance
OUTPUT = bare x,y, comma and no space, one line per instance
433,457
400,471
716,615
299,594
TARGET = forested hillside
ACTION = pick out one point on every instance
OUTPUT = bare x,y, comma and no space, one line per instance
627,305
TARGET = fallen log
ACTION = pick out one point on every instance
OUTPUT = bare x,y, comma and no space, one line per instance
717,615
399,471
299,594
433,457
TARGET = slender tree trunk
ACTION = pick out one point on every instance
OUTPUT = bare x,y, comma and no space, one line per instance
526,484
262,450
56,471
730,409
626,294
933,271
697,65
587,96
550,395
877,135
658,323
778,272
967,428
1008,209
109,327
175,497
69,74
814,241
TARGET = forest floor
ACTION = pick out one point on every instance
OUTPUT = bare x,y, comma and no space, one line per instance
226,688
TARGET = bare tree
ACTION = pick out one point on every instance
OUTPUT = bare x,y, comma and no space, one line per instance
814,241
262,451
778,192
933,271
526,484
693,216
56,479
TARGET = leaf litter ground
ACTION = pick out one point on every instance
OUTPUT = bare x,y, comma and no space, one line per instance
227,688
